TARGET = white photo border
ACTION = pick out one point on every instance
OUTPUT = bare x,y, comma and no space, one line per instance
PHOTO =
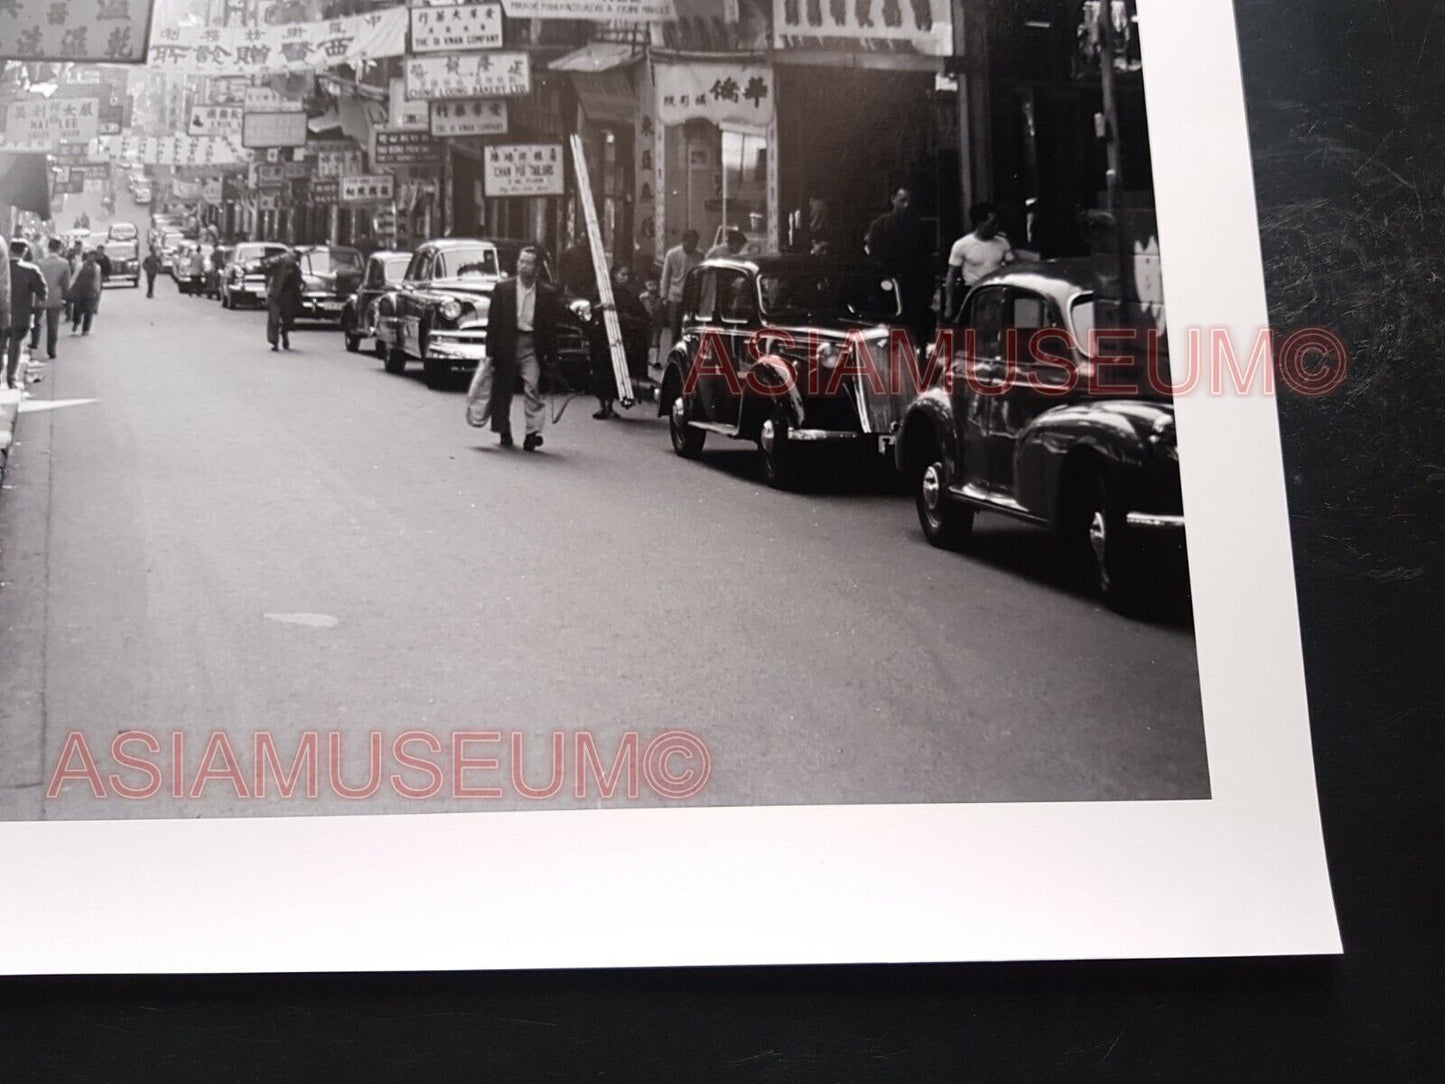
1240,874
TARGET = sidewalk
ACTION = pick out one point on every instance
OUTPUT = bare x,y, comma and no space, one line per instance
10,407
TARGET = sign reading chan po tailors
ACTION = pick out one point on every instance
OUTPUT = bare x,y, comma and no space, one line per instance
523,169
453,27
481,116
368,188
468,75
273,130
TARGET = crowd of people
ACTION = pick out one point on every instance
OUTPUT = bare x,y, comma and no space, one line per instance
48,284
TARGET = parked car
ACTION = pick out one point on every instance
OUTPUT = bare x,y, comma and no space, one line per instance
124,261
142,194
329,274
122,231
245,279
216,264
383,272
437,314
767,355
1037,438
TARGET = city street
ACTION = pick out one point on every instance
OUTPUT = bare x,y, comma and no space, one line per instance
200,535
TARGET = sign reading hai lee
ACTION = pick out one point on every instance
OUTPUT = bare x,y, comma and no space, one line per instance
273,130
468,75
482,116
368,188
40,124
524,169
454,27
95,31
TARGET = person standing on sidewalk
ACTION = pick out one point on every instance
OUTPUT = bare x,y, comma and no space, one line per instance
85,294
56,270
679,260
151,265
283,300
27,293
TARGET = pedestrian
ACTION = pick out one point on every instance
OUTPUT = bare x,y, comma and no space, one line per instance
974,255
85,290
27,293
104,261
731,244
679,260
56,270
151,265
283,299
896,240
633,319
521,337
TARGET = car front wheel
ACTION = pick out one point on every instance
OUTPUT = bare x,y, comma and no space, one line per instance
778,455
686,441
1111,562
396,360
946,523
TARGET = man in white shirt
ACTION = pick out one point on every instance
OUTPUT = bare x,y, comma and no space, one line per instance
975,255
680,259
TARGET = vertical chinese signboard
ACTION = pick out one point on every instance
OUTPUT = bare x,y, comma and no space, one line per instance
85,31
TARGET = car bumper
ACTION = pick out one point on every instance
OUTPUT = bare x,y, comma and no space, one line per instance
323,308
442,347
1155,521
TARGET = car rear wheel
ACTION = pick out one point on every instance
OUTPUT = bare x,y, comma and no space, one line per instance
686,440
946,523
396,360
353,340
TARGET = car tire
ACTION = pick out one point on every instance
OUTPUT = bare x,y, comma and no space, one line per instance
1112,564
379,349
348,329
686,440
434,373
777,455
946,523
395,361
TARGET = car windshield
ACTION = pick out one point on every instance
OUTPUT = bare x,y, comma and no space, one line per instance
251,253
473,261
841,294
121,250
394,269
1081,316
323,261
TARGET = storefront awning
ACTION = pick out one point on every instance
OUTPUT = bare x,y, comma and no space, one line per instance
24,182
597,56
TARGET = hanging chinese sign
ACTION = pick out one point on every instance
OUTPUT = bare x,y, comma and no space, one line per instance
921,26
273,130
215,120
597,11
523,169
369,188
94,31
402,148
468,75
454,27
174,150
38,124
300,47
485,116
730,95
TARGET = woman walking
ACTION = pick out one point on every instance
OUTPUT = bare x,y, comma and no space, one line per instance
84,294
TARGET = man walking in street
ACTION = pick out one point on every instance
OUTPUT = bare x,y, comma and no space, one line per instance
283,300
27,293
680,259
521,338
55,269
897,240
152,267
974,255
84,298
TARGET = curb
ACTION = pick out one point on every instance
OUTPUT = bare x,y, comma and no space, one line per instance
10,409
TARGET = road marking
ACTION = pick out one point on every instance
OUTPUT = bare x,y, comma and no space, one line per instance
31,406
315,621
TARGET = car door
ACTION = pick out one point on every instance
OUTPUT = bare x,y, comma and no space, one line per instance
737,321
978,380
704,346
1037,384
409,301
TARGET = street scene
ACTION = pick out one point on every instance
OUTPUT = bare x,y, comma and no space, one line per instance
471,406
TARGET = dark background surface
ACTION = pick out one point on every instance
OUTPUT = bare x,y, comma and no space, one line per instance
1346,100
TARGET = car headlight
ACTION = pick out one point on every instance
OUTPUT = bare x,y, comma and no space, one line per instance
581,308
828,356
451,309
1162,439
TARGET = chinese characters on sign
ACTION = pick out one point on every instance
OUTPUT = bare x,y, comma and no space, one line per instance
98,31
456,26
402,148
273,130
341,162
299,47
523,169
178,150
370,188
484,116
468,75
925,25
625,11
39,125
215,120
737,95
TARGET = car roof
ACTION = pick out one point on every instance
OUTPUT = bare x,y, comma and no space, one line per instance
794,262
389,254
457,242
1060,280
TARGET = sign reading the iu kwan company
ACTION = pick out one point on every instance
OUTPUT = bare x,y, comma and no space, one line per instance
524,169
454,27
484,116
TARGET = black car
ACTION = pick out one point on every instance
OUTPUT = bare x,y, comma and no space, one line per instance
437,314
124,261
383,272
1045,435
782,351
329,276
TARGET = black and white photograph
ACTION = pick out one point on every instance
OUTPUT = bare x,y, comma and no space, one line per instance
750,439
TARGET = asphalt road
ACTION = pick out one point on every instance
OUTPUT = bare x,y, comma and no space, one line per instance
199,536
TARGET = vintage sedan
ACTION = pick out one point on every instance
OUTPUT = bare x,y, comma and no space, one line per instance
245,279
124,262
791,353
437,314
383,273
329,275
1049,433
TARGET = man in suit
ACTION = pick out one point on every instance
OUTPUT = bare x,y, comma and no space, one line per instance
521,337
27,294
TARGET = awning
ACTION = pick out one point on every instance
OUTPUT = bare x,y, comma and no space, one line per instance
597,56
25,182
